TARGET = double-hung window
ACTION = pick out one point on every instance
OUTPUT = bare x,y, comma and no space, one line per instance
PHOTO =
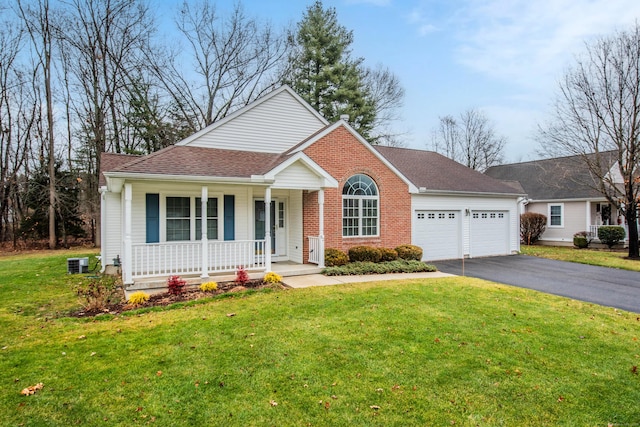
360,207
556,215
184,218
178,220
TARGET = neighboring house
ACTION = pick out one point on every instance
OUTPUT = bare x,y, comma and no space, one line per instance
565,191
279,183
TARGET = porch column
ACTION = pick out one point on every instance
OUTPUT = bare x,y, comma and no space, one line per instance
321,228
204,201
588,216
127,257
267,229
103,226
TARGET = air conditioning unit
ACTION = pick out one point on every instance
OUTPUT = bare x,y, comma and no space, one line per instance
77,265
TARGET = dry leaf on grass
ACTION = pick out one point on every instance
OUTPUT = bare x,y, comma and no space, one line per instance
31,389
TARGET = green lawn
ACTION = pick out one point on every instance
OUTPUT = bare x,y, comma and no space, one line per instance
452,351
601,257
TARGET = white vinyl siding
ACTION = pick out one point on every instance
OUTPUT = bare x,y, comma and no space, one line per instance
112,238
264,128
297,176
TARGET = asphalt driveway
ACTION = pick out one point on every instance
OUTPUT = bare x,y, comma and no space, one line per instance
605,286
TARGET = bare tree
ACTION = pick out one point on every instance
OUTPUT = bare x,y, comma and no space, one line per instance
234,59
39,27
387,97
597,114
470,140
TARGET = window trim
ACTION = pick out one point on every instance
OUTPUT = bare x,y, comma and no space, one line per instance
359,206
549,219
192,215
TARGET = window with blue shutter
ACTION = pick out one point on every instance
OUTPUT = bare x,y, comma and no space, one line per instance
153,217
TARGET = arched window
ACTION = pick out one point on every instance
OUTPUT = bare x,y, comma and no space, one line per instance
360,207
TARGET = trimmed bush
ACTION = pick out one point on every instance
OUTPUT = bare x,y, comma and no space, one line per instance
409,252
398,266
532,225
364,254
208,286
176,285
138,298
242,277
335,257
272,278
610,235
388,254
581,239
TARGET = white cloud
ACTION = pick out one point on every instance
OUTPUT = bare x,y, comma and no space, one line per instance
530,41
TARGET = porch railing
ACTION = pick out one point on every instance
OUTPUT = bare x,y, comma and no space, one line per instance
169,258
316,251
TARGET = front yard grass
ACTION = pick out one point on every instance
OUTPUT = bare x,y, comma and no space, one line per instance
600,257
449,351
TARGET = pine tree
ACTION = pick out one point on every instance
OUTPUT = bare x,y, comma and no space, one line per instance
323,73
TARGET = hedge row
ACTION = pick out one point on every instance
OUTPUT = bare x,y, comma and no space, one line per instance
367,267
335,257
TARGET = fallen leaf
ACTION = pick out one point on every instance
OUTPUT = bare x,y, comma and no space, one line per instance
333,396
273,403
230,314
31,389
93,353
374,407
82,337
634,370
327,405
560,398
159,373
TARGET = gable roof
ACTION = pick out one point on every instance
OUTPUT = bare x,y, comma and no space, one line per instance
265,125
553,179
433,172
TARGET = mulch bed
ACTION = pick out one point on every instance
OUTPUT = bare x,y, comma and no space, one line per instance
165,299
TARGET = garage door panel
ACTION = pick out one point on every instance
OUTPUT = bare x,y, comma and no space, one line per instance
438,234
489,233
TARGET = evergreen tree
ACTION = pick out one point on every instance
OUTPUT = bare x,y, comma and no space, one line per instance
323,73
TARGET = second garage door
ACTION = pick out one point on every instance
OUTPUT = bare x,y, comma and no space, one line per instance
438,234
489,233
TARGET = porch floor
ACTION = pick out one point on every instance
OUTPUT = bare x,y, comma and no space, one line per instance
283,268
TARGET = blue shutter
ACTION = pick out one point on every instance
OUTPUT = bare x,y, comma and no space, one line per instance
229,217
153,217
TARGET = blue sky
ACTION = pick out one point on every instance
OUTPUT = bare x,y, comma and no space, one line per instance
501,56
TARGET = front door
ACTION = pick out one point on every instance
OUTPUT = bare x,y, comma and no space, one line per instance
278,225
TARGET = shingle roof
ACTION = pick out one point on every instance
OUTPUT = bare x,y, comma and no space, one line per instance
436,172
201,161
552,179
111,161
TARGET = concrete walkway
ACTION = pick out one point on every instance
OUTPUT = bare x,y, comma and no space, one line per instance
310,280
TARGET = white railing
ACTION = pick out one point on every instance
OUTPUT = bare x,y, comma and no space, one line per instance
314,250
169,258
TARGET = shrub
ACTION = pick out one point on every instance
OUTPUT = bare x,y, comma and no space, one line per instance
208,286
364,253
398,266
611,234
242,277
138,298
409,252
532,225
335,257
388,254
99,293
582,239
176,285
272,278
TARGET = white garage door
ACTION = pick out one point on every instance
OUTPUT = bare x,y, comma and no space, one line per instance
489,233
438,234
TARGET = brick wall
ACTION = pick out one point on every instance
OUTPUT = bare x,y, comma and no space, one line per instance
343,156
